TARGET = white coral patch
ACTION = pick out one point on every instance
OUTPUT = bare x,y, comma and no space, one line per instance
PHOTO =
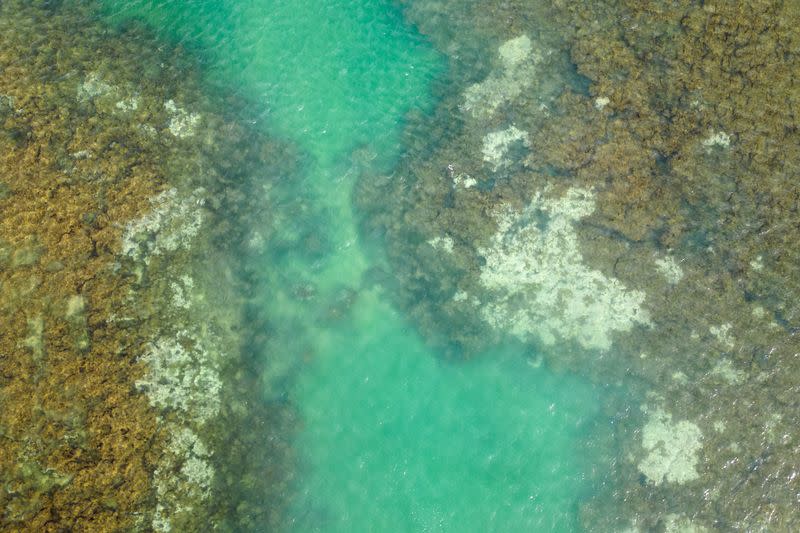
256,241
185,472
181,123
674,523
497,143
670,269
519,66
93,86
729,373
182,374
718,139
723,335
460,296
185,443
7,102
128,104
76,306
469,182
601,102
515,51
465,181
539,285
182,292
171,224
442,243
671,447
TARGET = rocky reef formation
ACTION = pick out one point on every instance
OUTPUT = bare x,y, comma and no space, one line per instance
615,185
129,401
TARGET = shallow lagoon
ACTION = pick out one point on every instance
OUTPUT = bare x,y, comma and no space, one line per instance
200,331
392,436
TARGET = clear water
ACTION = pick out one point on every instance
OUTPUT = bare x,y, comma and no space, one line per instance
392,438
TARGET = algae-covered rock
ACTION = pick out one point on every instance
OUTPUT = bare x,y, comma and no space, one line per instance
121,304
27,253
674,116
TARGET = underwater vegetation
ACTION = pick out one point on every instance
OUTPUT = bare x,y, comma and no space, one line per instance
121,369
616,184
609,188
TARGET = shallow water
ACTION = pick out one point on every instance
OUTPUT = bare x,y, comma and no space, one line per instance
391,436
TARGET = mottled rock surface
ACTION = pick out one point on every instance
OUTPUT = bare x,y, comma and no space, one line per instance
679,118
126,405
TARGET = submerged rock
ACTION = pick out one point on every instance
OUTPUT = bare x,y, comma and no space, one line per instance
678,270
538,284
123,405
671,448
171,223
516,73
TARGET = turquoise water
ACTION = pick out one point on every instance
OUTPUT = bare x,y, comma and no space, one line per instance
392,438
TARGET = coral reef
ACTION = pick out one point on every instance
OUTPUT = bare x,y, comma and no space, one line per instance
671,449
535,265
676,117
128,400
170,222
517,72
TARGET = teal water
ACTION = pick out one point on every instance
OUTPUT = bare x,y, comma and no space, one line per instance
392,438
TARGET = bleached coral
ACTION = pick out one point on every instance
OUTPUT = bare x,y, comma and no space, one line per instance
183,374
671,447
723,335
497,143
716,139
186,475
539,285
93,86
670,269
674,523
35,339
172,223
725,370
182,124
464,180
185,443
442,243
460,296
519,62
601,102
515,51
183,371
109,98
76,306
128,104
7,103
182,292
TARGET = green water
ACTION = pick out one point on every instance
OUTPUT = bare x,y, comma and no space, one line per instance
392,438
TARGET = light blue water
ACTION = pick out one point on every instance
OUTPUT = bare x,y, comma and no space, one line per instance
392,438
